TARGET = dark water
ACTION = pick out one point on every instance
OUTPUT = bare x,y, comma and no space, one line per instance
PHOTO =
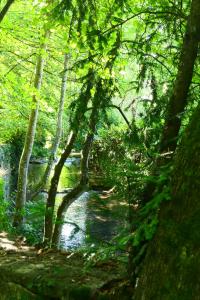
92,219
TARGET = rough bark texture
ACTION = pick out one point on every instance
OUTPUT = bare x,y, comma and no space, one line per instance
5,9
57,138
171,267
28,144
177,104
178,100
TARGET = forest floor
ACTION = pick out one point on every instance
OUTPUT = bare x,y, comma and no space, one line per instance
27,273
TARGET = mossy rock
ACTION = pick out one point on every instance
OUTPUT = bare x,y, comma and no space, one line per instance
55,276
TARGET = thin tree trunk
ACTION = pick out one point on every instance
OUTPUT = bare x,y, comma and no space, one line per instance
5,9
29,140
48,226
84,98
81,187
57,138
171,266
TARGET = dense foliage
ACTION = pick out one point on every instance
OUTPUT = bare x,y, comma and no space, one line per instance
128,75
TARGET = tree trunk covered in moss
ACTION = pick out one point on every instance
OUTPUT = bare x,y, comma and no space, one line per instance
171,269
176,106
178,100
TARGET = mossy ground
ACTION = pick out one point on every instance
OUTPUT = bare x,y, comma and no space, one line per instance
29,274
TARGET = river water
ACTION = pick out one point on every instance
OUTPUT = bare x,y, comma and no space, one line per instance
93,218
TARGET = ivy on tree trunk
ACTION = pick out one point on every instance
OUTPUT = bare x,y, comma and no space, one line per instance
171,266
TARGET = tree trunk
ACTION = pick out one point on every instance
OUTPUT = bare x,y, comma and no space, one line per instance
177,104
84,99
29,140
48,226
178,100
75,193
81,187
57,138
171,267
5,9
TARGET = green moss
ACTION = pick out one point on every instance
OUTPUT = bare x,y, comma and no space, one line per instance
12,291
55,276
83,293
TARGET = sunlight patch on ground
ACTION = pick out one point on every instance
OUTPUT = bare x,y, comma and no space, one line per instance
7,244
3,172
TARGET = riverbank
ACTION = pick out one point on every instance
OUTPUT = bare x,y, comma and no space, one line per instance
26,273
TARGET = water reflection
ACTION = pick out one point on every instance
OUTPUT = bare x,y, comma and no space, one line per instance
68,178
74,230
92,218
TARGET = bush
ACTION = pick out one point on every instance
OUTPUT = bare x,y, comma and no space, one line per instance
34,216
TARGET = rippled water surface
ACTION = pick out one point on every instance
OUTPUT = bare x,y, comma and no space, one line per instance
92,218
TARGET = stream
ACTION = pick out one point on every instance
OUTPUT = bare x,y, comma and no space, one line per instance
93,218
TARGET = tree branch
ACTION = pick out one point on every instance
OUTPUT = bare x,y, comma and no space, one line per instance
122,113
180,15
5,9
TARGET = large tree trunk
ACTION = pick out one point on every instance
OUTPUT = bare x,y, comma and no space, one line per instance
29,140
179,95
171,269
177,104
5,9
57,138
178,99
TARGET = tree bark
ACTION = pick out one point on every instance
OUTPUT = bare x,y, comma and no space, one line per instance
177,104
5,9
171,266
29,140
57,138
178,100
